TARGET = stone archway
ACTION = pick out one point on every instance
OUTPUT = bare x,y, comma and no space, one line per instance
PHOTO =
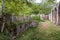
54,15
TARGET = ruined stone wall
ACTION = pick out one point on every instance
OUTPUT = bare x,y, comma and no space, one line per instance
59,14
15,25
54,15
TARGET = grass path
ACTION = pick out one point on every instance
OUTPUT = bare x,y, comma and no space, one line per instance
43,25
49,31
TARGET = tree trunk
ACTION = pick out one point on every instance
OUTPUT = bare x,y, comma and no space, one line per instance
2,16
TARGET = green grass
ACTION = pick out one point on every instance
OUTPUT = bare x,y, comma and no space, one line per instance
37,18
53,33
30,34
4,36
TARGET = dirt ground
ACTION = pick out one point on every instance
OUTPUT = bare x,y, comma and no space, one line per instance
43,25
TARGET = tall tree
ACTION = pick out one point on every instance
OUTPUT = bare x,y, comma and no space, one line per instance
45,6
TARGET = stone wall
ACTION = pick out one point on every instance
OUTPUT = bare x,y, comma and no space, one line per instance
55,14
16,25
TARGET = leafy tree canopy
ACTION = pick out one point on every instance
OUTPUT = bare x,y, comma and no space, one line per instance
17,7
27,7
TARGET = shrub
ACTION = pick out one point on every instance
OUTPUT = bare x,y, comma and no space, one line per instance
37,18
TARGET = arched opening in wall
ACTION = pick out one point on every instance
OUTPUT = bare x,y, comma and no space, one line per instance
52,11
20,26
55,15
55,9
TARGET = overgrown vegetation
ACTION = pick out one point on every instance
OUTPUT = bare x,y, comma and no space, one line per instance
17,15
37,18
52,33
